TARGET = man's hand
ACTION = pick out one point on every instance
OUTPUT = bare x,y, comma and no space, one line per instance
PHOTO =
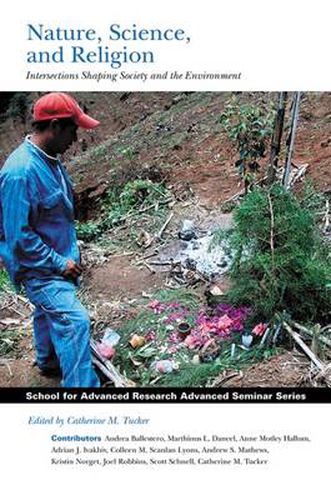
73,270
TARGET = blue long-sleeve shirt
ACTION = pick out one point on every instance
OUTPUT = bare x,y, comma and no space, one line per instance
37,233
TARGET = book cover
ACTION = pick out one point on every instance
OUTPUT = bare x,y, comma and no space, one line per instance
165,249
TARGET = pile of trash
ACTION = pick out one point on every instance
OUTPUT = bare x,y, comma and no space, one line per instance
170,335
194,256
199,253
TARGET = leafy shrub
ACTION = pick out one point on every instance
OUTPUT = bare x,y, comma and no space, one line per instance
87,231
19,106
9,341
139,192
249,127
280,260
119,203
4,280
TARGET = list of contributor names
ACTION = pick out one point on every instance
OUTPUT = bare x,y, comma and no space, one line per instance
133,441
167,449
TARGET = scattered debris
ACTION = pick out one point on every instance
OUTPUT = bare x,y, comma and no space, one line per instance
93,254
298,174
247,339
317,362
323,376
137,341
195,252
107,367
322,338
5,363
225,376
110,337
105,350
187,231
163,228
171,336
7,323
164,366
326,217
288,369
144,239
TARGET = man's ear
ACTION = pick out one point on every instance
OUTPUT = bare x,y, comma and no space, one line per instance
54,125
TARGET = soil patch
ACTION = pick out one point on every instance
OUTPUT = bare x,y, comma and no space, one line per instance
21,373
285,370
120,279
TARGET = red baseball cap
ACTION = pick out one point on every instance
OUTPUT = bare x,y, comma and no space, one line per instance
60,105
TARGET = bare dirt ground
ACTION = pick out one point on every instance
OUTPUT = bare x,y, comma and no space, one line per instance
179,134
285,370
18,370
22,373
120,280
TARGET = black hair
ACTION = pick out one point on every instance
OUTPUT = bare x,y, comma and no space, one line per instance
41,126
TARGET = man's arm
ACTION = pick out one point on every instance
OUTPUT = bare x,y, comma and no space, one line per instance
20,237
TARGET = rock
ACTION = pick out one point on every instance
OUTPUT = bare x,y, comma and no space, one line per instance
190,264
188,231
215,291
144,239
196,359
223,263
213,294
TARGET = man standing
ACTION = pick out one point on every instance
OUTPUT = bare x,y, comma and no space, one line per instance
38,240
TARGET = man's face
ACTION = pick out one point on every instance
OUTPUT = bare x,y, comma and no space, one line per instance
63,136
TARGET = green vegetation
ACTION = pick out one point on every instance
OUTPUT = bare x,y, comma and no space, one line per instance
202,374
9,341
8,338
136,363
88,231
136,196
19,106
4,280
191,365
249,126
280,260
312,200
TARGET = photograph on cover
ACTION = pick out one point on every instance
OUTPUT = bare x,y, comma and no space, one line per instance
165,239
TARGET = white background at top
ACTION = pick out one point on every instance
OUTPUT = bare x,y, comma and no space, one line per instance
277,45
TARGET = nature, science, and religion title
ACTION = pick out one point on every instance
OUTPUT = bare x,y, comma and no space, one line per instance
117,46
